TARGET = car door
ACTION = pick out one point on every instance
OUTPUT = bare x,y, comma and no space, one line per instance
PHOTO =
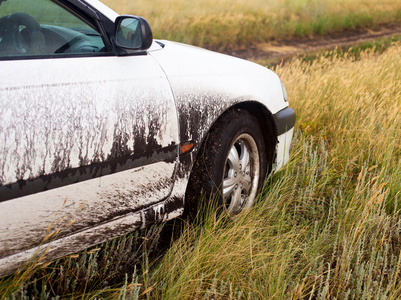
85,136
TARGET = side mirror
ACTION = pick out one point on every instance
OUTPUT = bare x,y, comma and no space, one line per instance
132,34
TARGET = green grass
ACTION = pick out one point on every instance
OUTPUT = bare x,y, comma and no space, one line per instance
227,24
326,226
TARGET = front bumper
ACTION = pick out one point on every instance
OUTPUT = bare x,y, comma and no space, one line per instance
285,121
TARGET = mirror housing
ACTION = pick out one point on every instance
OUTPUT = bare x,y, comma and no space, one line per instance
132,34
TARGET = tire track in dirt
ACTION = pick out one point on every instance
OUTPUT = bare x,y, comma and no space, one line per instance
276,51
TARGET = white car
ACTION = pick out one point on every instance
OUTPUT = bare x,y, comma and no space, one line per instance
104,130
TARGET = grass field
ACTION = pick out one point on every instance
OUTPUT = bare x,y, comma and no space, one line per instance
235,24
327,226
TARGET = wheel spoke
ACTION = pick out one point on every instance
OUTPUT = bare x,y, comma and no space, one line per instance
236,202
246,183
228,186
229,181
233,159
244,160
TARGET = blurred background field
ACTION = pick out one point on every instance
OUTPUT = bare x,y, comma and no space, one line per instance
235,24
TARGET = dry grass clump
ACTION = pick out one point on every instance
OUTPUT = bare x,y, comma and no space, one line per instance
236,24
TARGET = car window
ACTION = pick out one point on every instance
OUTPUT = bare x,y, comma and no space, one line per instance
42,27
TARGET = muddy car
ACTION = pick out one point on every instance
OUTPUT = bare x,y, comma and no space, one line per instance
104,130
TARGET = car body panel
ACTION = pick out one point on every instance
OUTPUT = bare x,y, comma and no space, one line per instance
51,248
97,111
191,70
82,205
207,86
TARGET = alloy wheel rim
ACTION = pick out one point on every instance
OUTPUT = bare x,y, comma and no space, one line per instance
241,174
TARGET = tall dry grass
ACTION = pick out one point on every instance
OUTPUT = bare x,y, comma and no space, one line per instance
327,226
224,24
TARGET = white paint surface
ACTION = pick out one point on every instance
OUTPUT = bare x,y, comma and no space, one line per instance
82,239
283,149
205,72
25,221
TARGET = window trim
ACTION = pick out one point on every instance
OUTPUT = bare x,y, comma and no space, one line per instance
61,55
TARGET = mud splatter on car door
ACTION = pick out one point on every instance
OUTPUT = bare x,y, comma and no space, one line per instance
86,141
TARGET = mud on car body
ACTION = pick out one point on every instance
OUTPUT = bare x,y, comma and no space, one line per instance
104,130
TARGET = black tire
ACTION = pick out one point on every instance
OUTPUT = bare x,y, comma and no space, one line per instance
222,169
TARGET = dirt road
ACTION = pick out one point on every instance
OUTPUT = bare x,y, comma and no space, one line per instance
276,51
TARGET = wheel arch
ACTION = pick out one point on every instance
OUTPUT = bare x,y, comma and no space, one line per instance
266,122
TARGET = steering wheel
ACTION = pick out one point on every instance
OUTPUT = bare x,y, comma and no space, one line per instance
29,40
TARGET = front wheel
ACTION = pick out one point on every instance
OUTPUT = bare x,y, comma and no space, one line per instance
231,163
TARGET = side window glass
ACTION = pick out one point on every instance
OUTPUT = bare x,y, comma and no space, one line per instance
42,27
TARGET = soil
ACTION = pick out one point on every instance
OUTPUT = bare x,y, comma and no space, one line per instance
276,51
